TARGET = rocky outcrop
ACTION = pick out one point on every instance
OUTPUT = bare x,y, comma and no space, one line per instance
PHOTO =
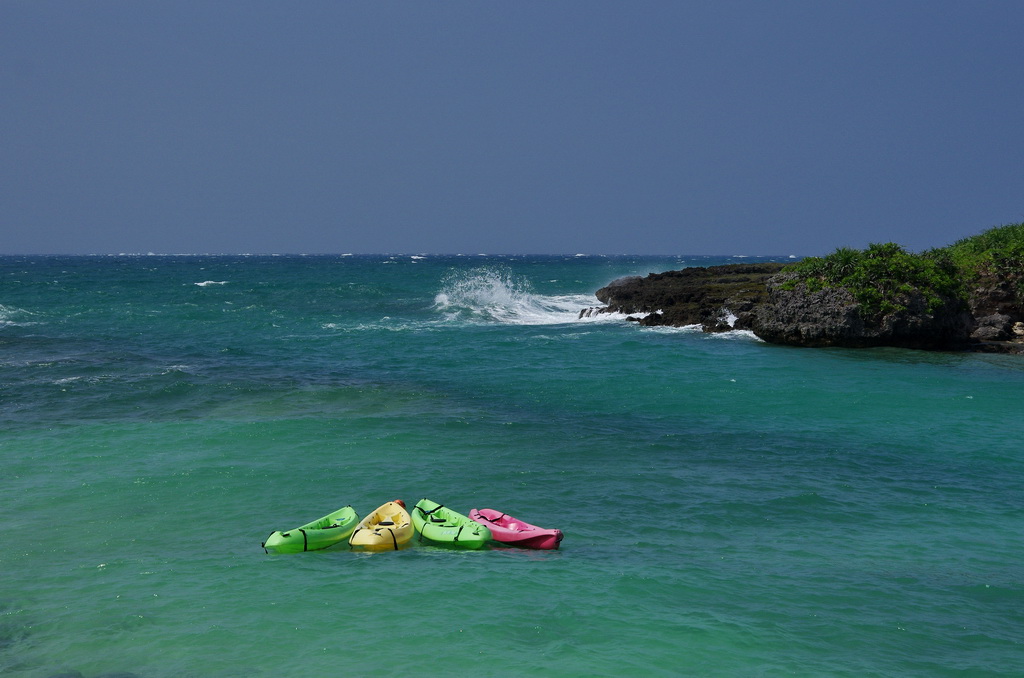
995,327
719,298
755,297
832,317
997,304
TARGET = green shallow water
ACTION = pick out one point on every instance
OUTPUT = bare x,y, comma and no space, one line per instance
730,508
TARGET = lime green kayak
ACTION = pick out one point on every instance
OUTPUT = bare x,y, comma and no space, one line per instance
320,534
441,525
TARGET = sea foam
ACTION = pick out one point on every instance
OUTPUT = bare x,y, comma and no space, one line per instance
494,294
11,316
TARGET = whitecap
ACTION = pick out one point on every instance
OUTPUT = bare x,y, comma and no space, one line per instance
11,316
207,283
675,329
730,335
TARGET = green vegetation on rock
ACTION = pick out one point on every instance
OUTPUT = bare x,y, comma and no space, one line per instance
882,277
998,252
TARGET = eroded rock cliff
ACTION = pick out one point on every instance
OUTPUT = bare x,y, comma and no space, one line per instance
832,317
718,298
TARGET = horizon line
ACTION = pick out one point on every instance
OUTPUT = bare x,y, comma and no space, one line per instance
390,254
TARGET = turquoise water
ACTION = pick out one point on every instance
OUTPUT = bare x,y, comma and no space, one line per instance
730,508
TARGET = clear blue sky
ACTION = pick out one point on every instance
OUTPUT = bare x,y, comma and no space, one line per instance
669,127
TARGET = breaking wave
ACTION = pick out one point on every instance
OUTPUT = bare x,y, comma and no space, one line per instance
496,295
14,317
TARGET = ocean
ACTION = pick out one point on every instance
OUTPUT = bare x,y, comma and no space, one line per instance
730,507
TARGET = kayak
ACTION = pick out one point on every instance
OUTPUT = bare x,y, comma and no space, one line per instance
388,528
441,525
319,534
514,532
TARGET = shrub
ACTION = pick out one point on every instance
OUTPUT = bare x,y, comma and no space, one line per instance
882,277
998,251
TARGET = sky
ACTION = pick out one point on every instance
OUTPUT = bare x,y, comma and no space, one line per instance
559,127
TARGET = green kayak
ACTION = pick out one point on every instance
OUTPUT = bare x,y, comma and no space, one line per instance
441,525
320,534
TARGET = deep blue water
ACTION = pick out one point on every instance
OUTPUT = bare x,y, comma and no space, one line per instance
731,508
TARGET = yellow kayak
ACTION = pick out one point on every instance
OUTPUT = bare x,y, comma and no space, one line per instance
388,528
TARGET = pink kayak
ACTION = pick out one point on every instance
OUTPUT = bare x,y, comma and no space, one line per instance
514,532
